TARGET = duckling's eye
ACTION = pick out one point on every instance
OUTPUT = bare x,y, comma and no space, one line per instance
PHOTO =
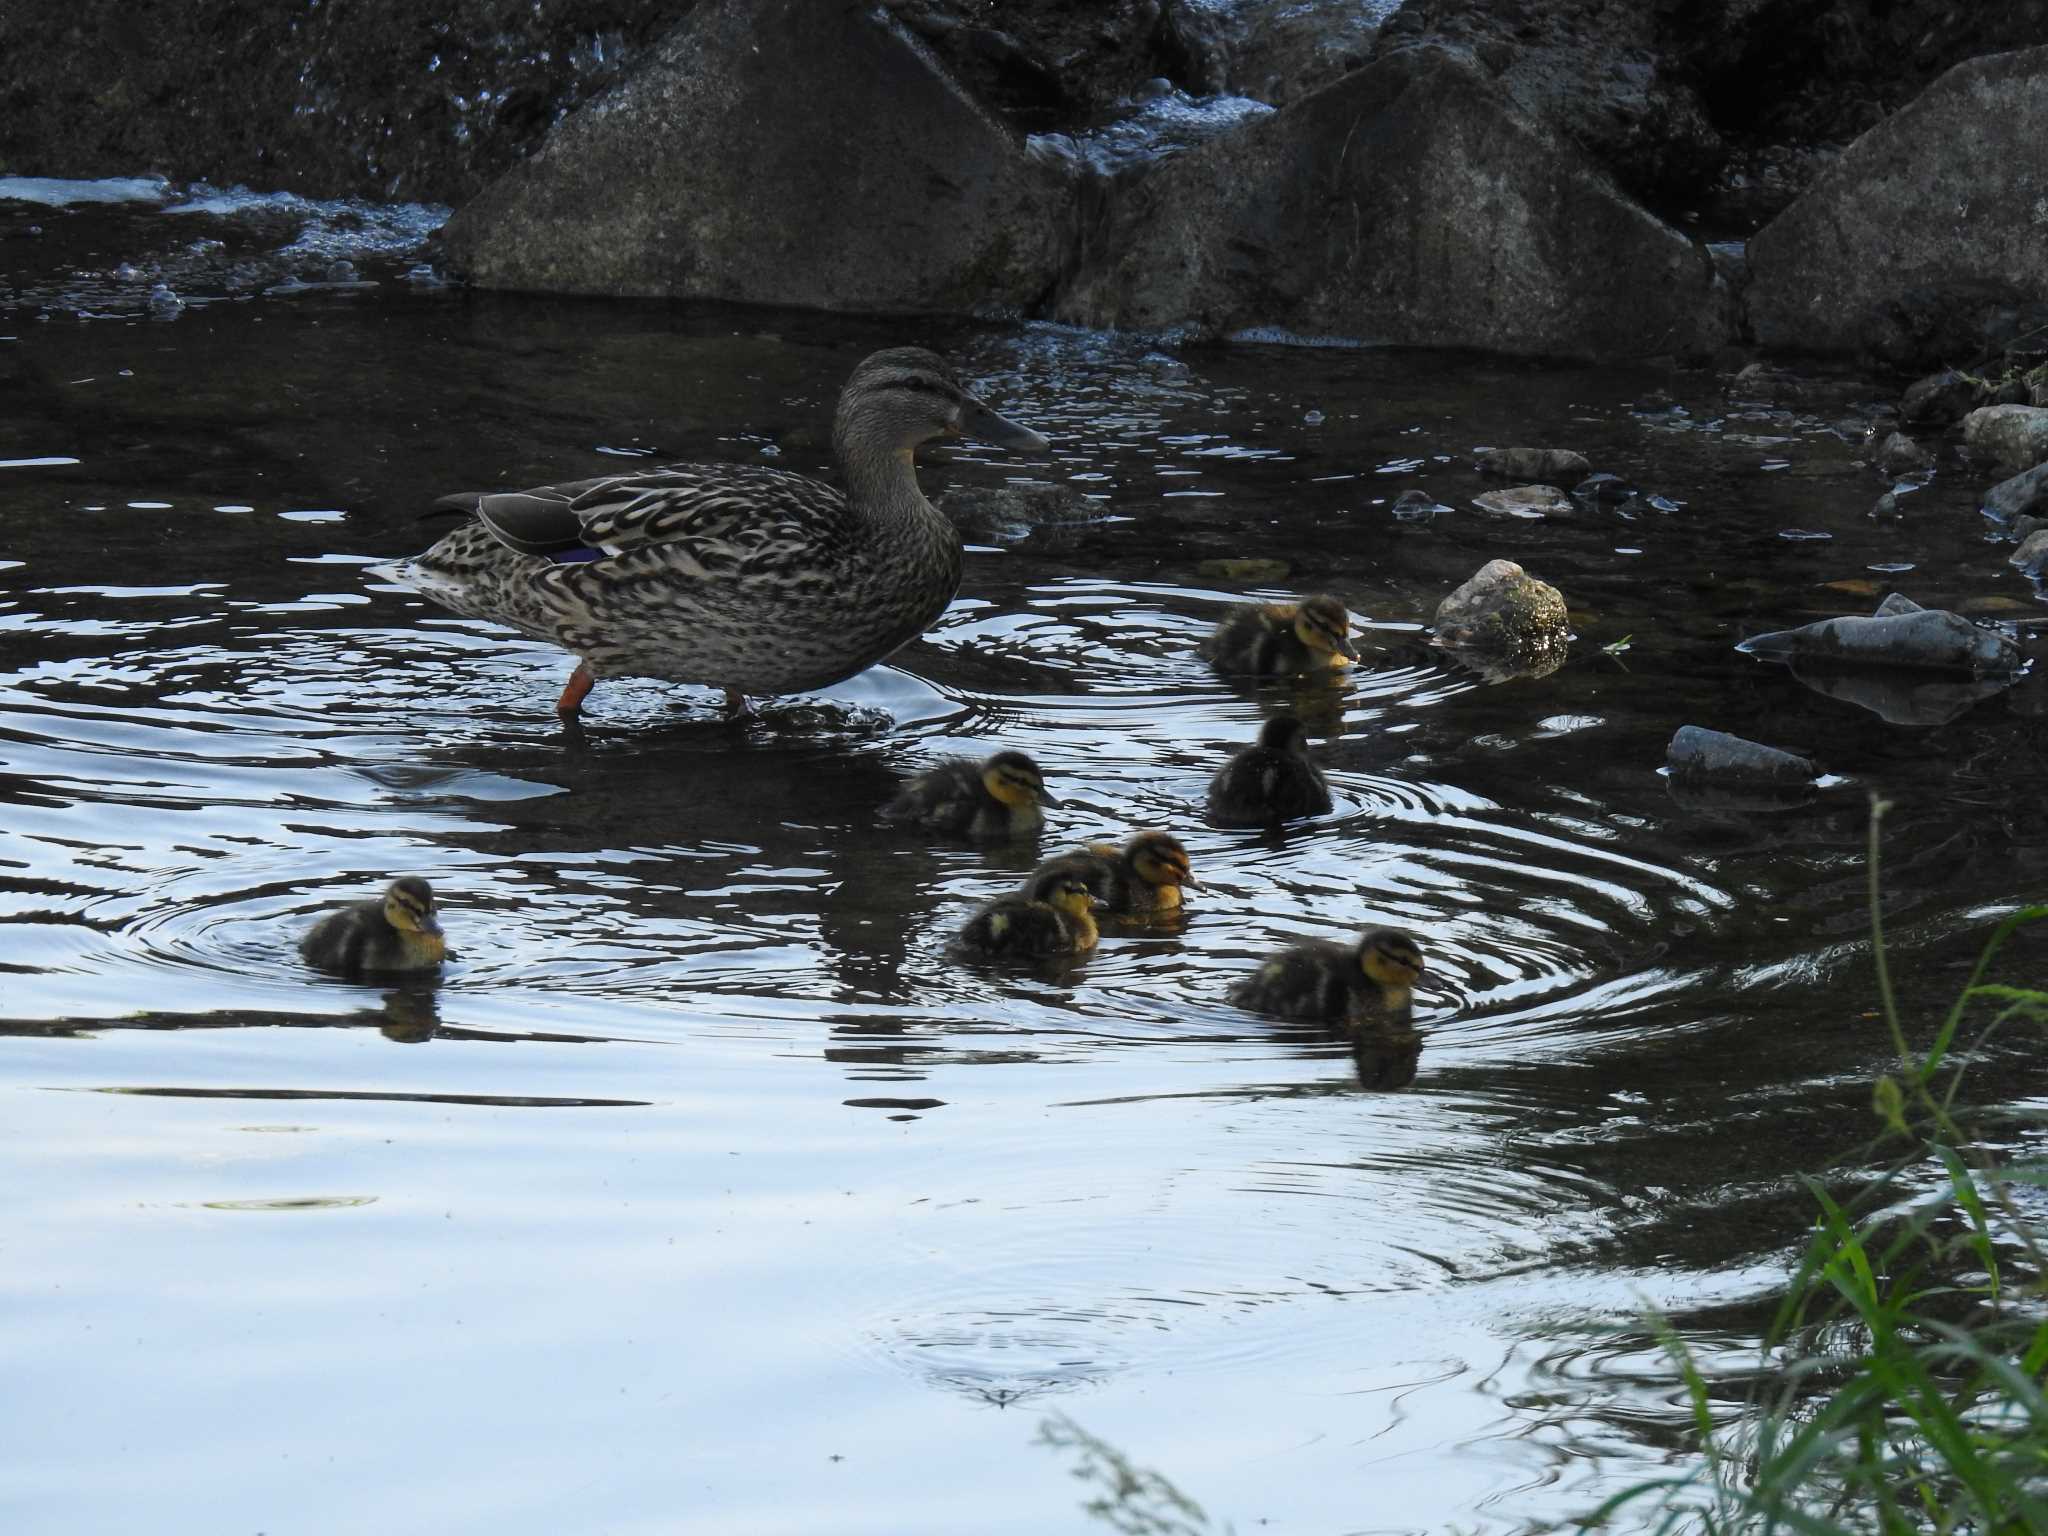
918,381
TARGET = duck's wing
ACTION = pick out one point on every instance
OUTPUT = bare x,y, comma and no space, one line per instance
734,511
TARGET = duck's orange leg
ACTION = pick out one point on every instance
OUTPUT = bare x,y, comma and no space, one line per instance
570,704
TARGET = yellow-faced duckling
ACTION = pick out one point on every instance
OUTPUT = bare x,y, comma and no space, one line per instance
1271,781
1280,639
1054,914
399,931
1337,985
998,797
1141,879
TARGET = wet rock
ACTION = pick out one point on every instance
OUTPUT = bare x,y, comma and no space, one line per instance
1507,615
2024,494
2015,435
1940,398
776,153
2024,528
2011,392
1886,508
1861,263
1558,466
1281,50
1898,454
2032,555
1698,753
1900,636
1528,501
1416,506
1603,487
1406,203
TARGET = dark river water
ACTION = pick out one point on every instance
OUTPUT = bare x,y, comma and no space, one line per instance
706,1191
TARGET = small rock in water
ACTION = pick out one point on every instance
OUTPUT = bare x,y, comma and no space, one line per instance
1886,508
2024,494
2016,435
1603,487
2032,555
128,272
341,272
164,304
1502,607
1556,464
1525,501
1899,453
1939,399
1416,506
1696,752
1901,635
1248,571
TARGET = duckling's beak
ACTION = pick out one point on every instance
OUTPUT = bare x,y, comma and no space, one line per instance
1046,799
1348,647
984,425
428,922
1188,878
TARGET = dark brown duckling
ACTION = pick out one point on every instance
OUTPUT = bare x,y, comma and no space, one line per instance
1141,879
1320,982
1052,915
996,798
399,931
1270,781
1281,639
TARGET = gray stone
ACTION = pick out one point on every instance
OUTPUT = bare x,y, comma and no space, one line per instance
1603,487
1557,466
2015,435
1527,501
1696,752
1502,608
779,153
2032,555
1407,203
2024,494
1926,238
1940,398
1898,454
1886,508
1901,636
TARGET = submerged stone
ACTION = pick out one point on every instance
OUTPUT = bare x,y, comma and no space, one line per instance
1901,635
2032,555
1696,752
1527,501
1555,466
1505,613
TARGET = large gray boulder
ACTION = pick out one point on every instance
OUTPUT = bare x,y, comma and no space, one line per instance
1409,202
805,152
1929,238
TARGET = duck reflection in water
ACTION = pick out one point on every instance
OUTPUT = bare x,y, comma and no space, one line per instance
1363,993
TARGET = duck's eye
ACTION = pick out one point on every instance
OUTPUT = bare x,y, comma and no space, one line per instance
919,382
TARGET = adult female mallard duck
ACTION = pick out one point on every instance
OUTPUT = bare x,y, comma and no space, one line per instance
1272,780
757,581
399,931
1141,879
1280,639
998,797
1053,914
1364,992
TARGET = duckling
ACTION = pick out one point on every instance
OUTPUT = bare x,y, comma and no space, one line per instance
1278,639
998,797
1054,914
1271,781
1141,879
1369,983
399,931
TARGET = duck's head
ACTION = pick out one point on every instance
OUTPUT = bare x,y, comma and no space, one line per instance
1158,859
1323,623
1392,961
409,906
1284,733
1015,780
906,396
1065,890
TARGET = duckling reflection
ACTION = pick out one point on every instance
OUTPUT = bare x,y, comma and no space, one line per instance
399,931
1271,781
1282,639
1142,879
1054,914
995,799
1364,992
410,1016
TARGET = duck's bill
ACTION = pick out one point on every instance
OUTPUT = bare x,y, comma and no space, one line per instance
429,924
1046,799
1189,880
1348,648
984,425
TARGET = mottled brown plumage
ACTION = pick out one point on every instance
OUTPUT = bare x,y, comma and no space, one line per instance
1052,915
1363,993
399,931
992,800
1281,639
1270,781
1142,879
757,581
